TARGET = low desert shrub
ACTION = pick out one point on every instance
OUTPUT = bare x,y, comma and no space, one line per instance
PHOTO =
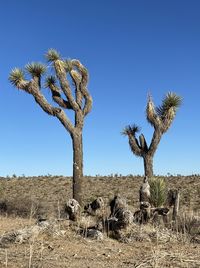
22,207
188,223
3,206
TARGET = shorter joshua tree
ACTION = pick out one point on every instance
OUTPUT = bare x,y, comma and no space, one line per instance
160,118
67,94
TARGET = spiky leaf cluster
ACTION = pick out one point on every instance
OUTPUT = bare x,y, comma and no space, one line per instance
35,68
50,80
52,55
171,100
16,76
131,130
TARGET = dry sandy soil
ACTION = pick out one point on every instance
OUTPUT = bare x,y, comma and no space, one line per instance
150,246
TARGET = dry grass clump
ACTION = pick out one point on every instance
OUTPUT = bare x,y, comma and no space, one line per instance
158,257
146,233
188,224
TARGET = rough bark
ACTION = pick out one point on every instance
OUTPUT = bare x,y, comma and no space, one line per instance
96,207
176,206
144,192
77,166
155,141
148,154
173,201
148,166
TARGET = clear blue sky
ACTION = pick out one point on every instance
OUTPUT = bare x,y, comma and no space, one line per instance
129,47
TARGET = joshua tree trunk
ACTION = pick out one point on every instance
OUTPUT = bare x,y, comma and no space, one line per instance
148,165
77,166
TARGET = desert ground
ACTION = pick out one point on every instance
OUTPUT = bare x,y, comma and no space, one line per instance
23,198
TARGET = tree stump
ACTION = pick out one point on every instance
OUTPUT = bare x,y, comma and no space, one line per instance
121,216
173,200
116,203
95,207
73,210
160,216
144,214
144,192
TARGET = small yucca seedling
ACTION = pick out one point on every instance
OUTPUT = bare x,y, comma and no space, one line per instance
158,192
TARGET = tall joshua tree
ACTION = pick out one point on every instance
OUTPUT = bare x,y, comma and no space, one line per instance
66,96
160,118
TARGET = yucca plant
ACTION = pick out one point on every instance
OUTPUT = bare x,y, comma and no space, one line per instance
158,191
65,98
160,118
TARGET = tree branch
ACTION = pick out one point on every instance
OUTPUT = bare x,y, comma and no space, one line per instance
77,82
33,89
151,114
155,141
83,86
61,74
143,143
23,85
56,96
134,145
65,121
79,77
168,119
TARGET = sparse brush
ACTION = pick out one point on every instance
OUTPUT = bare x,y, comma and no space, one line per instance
188,223
158,191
